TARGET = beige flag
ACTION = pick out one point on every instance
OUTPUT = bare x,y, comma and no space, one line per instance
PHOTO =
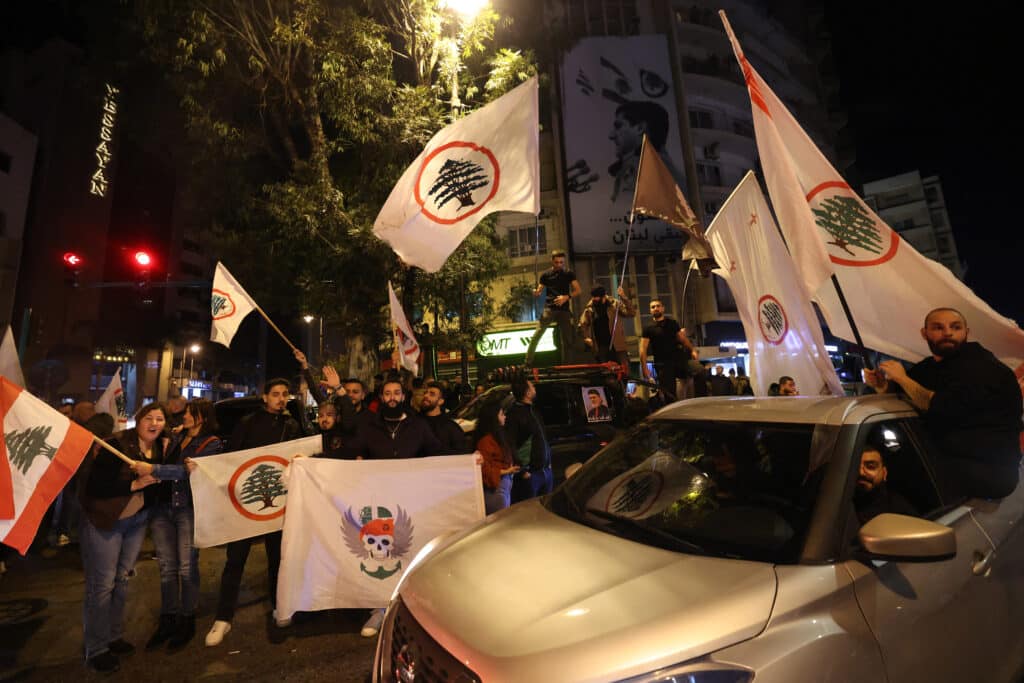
658,196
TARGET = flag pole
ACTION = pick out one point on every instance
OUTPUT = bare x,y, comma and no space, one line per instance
276,328
113,450
850,320
629,233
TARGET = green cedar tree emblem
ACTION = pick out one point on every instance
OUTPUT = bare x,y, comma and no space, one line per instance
456,180
263,485
24,446
849,225
217,304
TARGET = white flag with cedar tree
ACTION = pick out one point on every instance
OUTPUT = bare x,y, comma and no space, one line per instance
483,163
40,451
406,346
889,286
782,330
229,304
113,402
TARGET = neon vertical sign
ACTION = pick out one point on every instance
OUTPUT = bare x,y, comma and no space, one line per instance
100,182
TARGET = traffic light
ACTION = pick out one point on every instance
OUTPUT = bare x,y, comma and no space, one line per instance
142,261
73,263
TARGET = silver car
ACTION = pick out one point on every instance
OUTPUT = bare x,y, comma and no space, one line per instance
727,540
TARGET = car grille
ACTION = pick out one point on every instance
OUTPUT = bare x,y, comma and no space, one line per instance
415,656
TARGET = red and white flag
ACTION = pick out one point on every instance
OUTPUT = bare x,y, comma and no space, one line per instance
783,334
10,366
112,402
405,343
889,286
483,163
229,304
39,453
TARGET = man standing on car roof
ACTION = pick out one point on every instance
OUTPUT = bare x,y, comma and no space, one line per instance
270,425
672,352
602,325
561,286
971,403
526,433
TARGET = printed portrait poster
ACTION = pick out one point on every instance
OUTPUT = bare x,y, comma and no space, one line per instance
597,404
614,90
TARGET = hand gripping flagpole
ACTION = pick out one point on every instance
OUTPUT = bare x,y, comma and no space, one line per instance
629,233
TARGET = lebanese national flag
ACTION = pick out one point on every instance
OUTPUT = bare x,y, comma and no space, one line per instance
483,163
112,402
889,286
782,330
405,343
39,453
229,304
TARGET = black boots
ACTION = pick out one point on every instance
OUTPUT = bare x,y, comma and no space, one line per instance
184,633
164,632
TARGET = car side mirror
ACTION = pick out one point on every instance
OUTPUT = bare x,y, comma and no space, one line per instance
891,536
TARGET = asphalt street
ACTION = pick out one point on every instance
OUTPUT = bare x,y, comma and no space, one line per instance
41,628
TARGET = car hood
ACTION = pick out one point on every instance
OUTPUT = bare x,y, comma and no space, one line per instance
529,593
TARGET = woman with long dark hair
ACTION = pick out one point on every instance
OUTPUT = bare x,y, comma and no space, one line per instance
116,502
172,522
493,444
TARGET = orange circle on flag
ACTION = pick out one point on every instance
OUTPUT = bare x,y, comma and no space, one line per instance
430,157
234,480
230,301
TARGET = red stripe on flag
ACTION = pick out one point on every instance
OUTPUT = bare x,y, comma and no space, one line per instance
826,185
63,466
755,90
8,395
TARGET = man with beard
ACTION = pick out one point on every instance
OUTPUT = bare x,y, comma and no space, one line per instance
561,286
392,433
971,403
448,432
873,496
603,325
672,350
268,426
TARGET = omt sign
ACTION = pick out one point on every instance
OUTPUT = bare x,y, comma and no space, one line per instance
514,343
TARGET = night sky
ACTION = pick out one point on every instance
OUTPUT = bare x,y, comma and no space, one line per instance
934,90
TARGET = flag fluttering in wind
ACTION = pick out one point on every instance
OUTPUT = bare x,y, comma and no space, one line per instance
889,286
483,163
40,451
405,343
229,304
10,366
782,330
112,402
353,527
658,196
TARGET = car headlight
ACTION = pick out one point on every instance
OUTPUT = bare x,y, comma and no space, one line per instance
695,672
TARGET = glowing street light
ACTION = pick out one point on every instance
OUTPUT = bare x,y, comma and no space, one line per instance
194,348
467,9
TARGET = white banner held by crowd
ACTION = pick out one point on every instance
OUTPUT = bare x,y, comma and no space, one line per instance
405,343
10,366
39,452
229,304
243,494
353,526
113,403
483,163
782,330
889,286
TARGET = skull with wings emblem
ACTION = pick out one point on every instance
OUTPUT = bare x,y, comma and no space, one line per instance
380,540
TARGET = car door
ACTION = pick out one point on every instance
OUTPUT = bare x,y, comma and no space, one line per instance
933,620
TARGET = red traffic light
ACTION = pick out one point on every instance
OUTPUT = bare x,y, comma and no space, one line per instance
72,259
143,259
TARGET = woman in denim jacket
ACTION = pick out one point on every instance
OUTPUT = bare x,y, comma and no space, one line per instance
172,521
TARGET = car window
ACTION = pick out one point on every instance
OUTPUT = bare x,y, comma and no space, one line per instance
743,490
905,476
553,404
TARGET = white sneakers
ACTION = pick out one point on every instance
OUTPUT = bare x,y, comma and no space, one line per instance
217,632
282,622
373,624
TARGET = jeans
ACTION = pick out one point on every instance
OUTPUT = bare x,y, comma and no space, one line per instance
542,481
108,559
566,335
172,529
231,579
499,498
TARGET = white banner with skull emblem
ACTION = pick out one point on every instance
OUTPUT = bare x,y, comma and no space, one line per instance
353,526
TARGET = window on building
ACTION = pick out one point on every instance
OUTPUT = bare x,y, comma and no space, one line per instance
743,127
522,240
5,161
709,174
931,194
700,118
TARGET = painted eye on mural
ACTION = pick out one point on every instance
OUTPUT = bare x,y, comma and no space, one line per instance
652,84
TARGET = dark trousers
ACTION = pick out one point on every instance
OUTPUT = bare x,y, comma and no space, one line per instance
231,579
604,353
566,335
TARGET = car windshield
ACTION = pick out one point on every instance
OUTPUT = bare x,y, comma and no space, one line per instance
739,490
471,410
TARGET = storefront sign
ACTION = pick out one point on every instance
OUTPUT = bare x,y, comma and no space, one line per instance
100,181
514,343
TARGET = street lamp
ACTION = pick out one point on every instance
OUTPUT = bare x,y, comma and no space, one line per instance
195,348
309,336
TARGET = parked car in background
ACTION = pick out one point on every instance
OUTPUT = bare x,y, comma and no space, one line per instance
721,541
563,406
230,410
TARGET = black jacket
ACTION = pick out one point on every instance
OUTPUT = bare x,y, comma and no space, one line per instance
522,424
411,438
263,428
449,433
